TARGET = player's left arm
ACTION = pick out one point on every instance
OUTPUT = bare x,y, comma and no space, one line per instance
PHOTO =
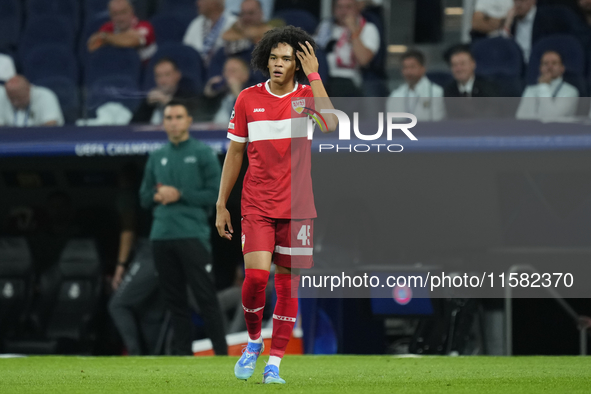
309,64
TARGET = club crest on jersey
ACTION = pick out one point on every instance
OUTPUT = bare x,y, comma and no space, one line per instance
298,105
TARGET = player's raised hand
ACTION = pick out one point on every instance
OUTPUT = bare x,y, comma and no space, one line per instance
307,58
222,219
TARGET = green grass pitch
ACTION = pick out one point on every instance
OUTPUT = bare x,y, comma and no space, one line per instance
304,374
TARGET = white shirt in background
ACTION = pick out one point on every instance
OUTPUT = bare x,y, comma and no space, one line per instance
370,37
195,34
232,7
496,9
7,69
467,87
44,107
425,101
523,33
548,100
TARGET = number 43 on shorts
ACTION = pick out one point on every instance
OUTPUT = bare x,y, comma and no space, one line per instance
304,235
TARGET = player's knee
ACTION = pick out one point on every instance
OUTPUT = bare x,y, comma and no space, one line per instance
257,278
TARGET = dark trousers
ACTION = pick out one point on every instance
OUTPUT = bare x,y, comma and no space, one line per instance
137,308
186,261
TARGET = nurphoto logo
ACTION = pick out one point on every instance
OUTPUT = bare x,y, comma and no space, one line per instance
392,120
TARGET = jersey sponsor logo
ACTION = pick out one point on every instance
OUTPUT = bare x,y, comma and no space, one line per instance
190,159
259,110
164,161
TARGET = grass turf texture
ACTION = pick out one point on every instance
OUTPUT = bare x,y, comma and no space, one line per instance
304,374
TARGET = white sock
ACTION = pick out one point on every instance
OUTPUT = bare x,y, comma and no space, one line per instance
274,360
258,340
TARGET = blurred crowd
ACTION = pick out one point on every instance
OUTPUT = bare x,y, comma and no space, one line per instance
72,63
114,62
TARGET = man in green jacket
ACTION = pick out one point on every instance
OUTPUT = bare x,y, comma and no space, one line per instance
181,185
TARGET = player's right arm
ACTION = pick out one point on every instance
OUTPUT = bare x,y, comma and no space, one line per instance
238,135
230,172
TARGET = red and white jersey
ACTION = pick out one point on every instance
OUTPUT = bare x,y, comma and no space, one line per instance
278,183
147,46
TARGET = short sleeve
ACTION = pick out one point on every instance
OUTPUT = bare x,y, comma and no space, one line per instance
370,37
146,31
497,9
107,27
238,127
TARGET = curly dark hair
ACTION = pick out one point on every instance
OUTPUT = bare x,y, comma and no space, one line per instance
289,35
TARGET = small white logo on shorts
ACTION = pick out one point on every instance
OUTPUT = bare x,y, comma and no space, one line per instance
259,110
164,161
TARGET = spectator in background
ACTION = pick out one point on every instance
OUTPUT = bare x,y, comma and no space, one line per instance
233,7
585,8
489,16
528,23
312,6
350,42
205,32
7,69
23,104
247,30
235,78
467,84
552,97
168,87
418,95
125,30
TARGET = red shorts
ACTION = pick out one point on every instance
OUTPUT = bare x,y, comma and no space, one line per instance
290,240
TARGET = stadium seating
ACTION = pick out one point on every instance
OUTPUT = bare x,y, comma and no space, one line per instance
186,58
78,292
500,60
91,26
186,7
299,18
67,8
44,30
171,27
10,24
50,60
113,88
108,61
322,64
441,78
66,90
498,56
96,8
16,280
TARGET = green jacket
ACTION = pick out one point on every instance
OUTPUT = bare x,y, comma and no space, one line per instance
193,168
